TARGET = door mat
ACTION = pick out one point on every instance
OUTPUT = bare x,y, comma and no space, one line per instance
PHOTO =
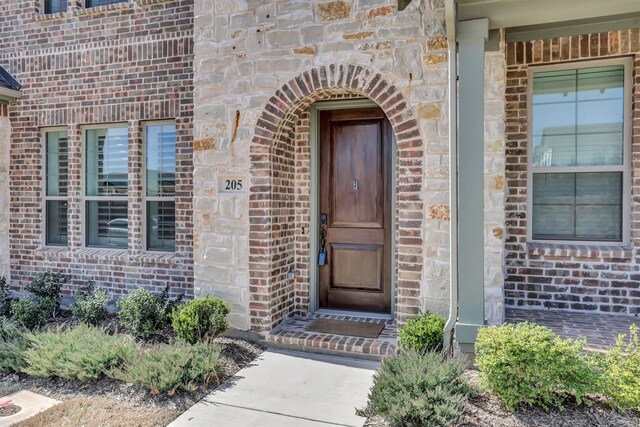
21,406
346,327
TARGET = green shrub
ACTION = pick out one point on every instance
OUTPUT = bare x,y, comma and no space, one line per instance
4,297
200,319
423,333
622,370
415,389
13,344
33,314
82,353
47,286
166,368
528,363
90,304
144,312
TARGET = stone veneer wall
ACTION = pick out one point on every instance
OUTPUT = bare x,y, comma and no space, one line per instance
246,53
567,277
123,63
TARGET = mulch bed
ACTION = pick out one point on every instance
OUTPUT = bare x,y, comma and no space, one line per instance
236,354
485,410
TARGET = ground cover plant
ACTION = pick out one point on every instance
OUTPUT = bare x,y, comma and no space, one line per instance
13,344
414,389
423,333
167,368
81,353
200,319
529,364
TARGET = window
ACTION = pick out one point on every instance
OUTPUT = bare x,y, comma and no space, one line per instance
56,182
578,159
160,173
106,187
55,6
95,3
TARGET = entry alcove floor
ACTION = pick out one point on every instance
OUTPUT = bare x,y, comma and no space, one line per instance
294,333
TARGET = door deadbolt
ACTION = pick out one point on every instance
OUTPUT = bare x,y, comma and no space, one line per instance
356,183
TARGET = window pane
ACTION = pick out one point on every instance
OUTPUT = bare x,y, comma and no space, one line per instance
94,3
57,163
161,160
580,206
578,117
107,224
56,222
161,226
107,162
54,6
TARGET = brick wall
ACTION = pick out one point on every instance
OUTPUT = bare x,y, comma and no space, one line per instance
567,277
123,63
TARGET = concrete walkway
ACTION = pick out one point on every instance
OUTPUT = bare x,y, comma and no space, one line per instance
282,389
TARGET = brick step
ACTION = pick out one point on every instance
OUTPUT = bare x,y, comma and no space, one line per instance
293,335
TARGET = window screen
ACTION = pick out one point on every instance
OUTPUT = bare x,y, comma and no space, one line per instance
578,154
56,182
160,186
106,182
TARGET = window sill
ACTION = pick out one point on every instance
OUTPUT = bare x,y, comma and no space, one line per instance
41,17
587,250
157,257
102,254
53,252
105,8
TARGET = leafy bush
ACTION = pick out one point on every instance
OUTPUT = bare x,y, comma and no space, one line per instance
622,370
13,343
166,368
33,314
423,333
200,319
144,312
4,296
90,304
415,389
528,363
47,286
82,353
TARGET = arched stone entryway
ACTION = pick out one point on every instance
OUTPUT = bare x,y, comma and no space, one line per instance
279,196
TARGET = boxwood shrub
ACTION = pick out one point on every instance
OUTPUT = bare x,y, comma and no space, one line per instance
200,319
423,333
529,364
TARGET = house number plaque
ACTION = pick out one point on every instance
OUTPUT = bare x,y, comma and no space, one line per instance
232,184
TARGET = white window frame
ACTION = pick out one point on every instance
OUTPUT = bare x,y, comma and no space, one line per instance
45,197
145,198
84,199
625,168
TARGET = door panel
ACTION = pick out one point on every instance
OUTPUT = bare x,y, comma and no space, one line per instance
345,268
356,181
355,195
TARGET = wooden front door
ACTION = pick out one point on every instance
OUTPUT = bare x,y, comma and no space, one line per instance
355,209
